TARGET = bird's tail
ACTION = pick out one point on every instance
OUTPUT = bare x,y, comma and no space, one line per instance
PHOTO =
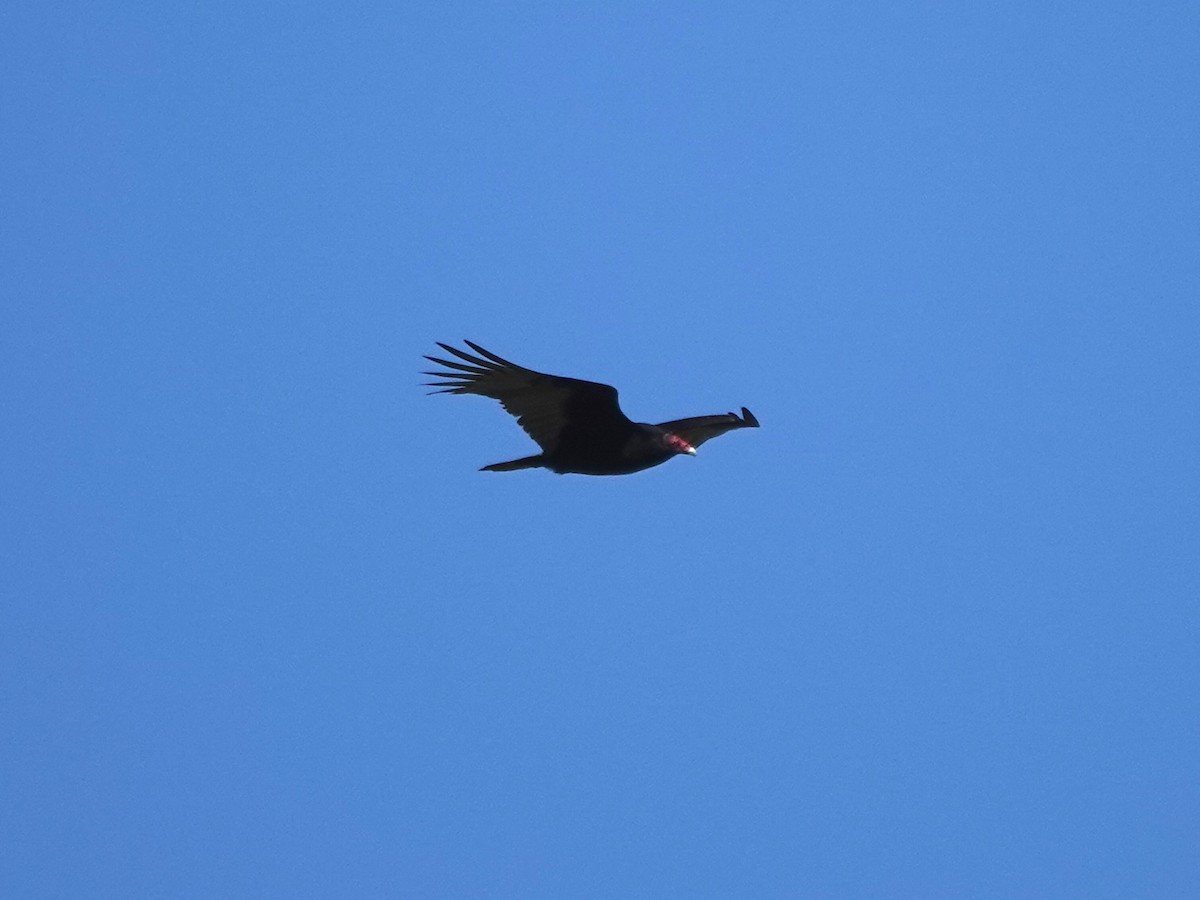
526,462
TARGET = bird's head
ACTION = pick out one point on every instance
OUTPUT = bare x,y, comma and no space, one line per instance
677,444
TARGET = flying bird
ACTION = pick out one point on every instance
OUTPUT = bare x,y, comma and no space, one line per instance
578,424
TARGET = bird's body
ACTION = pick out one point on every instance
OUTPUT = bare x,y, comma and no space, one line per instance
599,453
578,424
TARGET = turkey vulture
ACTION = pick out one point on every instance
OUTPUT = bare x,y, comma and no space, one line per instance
578,424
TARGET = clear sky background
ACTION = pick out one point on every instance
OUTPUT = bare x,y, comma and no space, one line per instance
931,632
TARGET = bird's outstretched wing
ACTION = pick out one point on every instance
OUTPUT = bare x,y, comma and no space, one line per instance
699,429
543,404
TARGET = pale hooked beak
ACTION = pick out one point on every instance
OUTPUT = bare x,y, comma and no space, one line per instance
690,451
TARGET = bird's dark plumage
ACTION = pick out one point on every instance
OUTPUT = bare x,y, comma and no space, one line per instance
578,424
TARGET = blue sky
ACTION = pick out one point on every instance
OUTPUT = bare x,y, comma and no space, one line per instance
931,632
